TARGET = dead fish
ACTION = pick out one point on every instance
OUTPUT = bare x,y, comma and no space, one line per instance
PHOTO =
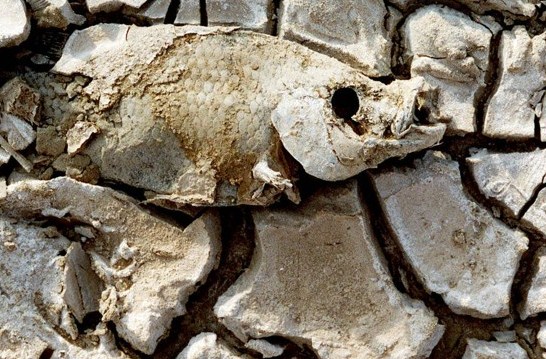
217,116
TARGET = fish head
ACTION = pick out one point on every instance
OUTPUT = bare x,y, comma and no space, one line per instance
336,132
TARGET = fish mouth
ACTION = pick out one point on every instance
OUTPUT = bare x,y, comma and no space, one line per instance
422,135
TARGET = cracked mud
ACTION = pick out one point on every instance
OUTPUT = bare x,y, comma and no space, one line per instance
272,179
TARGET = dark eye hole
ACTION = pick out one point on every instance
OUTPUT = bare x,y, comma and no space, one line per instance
345,102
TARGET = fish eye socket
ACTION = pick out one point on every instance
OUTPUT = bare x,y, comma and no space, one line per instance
345,102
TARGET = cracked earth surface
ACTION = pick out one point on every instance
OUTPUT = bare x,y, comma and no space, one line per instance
272,179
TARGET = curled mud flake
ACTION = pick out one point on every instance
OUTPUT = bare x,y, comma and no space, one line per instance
82,286
47,290
138,298
107,271
78,135
262,172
